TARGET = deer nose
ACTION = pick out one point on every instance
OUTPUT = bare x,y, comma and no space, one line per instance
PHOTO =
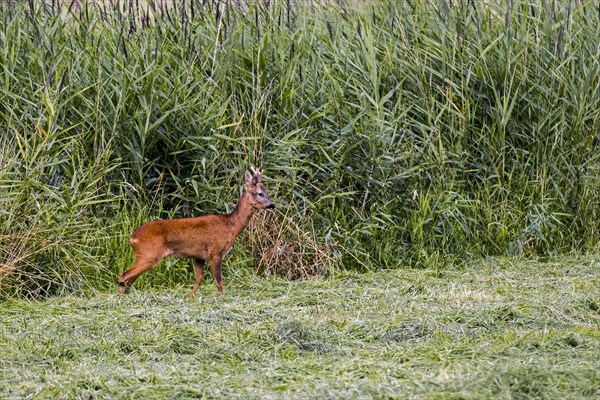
271,206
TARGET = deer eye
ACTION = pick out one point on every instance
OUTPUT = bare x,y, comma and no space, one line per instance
260,194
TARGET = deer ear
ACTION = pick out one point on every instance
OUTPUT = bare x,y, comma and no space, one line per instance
248,178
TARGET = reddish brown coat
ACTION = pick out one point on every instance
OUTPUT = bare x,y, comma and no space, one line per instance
205,238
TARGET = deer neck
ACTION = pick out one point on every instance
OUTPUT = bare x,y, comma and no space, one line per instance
240,217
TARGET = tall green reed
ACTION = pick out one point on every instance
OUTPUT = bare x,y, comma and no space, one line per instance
393,132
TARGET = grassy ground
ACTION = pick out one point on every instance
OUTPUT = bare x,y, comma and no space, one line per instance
497,329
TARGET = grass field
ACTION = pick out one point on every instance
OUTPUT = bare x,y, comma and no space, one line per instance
400,141
495,329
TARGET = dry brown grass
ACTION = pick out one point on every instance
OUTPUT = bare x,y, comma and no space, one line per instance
285,245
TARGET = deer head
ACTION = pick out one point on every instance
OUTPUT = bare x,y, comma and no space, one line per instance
253,185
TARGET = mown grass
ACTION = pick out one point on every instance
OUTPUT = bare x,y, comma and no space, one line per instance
392,132
495,329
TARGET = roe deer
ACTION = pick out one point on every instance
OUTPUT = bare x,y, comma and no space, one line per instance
206,238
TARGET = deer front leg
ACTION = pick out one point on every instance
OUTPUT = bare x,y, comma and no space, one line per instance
199,272
215,267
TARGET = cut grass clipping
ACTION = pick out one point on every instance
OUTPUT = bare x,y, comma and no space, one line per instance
391,132
499,329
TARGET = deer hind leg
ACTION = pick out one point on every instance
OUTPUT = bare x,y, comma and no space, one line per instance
215,267
140,266
199,272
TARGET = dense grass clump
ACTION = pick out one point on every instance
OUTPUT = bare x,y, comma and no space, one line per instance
390,132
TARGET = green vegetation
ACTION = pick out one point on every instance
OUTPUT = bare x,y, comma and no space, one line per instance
390,133
403,141
500,329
